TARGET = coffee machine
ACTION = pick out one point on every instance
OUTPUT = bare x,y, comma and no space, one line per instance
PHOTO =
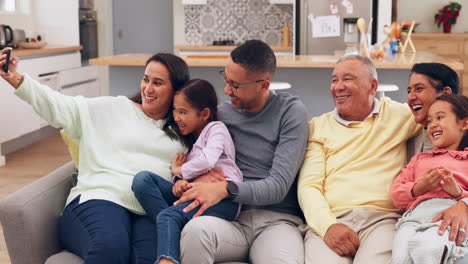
351,35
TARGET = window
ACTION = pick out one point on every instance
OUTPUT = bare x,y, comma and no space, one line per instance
8,6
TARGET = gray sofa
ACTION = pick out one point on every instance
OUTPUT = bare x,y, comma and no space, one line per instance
29,219
30,216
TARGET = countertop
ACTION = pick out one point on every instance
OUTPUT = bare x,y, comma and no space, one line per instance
45,50
223,48
400,61
440,35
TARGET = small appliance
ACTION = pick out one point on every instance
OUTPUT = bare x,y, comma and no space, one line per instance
6,36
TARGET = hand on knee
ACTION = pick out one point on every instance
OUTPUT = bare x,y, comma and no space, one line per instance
165,261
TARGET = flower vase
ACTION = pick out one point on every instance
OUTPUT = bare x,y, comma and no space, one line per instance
447,27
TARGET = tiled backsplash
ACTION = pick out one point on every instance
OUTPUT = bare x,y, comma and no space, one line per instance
237,20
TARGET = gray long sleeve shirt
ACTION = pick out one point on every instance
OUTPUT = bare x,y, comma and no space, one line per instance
270,147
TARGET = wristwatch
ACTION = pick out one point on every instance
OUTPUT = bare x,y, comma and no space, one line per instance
232,189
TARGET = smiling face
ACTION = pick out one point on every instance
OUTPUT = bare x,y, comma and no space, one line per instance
444,129
353,90
156,91
421,95
250,98
188,118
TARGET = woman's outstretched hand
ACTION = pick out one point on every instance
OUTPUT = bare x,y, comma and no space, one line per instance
11,76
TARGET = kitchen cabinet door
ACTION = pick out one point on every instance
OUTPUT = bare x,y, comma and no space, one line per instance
17,118
87,89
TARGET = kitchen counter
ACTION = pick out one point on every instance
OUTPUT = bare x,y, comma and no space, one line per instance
49,49
309,76
223,48
400,61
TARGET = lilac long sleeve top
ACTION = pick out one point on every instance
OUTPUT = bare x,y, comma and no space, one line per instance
214,148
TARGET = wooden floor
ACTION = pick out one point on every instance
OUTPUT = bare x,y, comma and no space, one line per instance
27,165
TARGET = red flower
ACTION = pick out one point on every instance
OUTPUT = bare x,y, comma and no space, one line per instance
448,14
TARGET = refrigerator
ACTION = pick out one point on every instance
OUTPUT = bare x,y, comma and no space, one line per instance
309,45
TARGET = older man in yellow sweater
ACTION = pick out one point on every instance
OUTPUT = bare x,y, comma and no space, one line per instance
353,155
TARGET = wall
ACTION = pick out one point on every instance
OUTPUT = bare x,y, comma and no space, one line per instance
238,20
56,20
423,11
179,23
22,19
143,26
105,40
385,18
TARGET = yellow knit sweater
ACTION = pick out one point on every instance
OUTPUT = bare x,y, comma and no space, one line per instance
353,166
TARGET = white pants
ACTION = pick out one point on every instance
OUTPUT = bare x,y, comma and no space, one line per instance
417,240
375,230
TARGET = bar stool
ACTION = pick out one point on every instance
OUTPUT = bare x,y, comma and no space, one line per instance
385,88
279,85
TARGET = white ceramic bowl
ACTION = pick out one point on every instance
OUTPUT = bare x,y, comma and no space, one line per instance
32,45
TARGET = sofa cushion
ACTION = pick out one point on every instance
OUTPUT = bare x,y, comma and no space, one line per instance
72,147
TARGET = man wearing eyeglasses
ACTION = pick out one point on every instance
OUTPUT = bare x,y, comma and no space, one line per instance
270,135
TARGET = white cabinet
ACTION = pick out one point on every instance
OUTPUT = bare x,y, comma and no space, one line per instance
80,81
86,89
16,116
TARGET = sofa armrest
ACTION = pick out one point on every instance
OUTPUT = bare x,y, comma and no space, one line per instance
30,217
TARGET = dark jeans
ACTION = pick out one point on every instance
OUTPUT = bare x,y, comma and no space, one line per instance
100,231
155,195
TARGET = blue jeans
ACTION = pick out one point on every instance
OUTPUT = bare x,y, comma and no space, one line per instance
100,231
155,195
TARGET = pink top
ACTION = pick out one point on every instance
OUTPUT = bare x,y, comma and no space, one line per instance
456,161
214,148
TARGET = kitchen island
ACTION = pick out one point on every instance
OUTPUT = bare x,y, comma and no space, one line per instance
309,76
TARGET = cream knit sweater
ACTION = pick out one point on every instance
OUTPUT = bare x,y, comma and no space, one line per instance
116,140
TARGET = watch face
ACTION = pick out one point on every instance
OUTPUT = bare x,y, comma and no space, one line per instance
232,188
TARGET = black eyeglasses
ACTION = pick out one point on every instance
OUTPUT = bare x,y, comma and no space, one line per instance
231,83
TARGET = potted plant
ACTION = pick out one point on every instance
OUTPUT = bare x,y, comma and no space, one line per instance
448,16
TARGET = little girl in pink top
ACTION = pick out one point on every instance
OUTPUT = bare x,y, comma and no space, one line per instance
432,182
195,108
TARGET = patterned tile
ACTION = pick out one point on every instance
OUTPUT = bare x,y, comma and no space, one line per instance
237,20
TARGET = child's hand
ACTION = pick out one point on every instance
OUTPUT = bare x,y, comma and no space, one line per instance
429,182
179,187
177,163
448,183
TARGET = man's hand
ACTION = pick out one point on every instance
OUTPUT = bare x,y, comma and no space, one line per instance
448,183
342,239
214,175
177,163
457,218
179,187
204,194
429,182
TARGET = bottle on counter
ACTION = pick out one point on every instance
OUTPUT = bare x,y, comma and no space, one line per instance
286,36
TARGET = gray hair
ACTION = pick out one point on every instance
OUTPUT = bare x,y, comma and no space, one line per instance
366,61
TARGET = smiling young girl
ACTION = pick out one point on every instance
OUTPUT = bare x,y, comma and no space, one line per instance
195,108
432,182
